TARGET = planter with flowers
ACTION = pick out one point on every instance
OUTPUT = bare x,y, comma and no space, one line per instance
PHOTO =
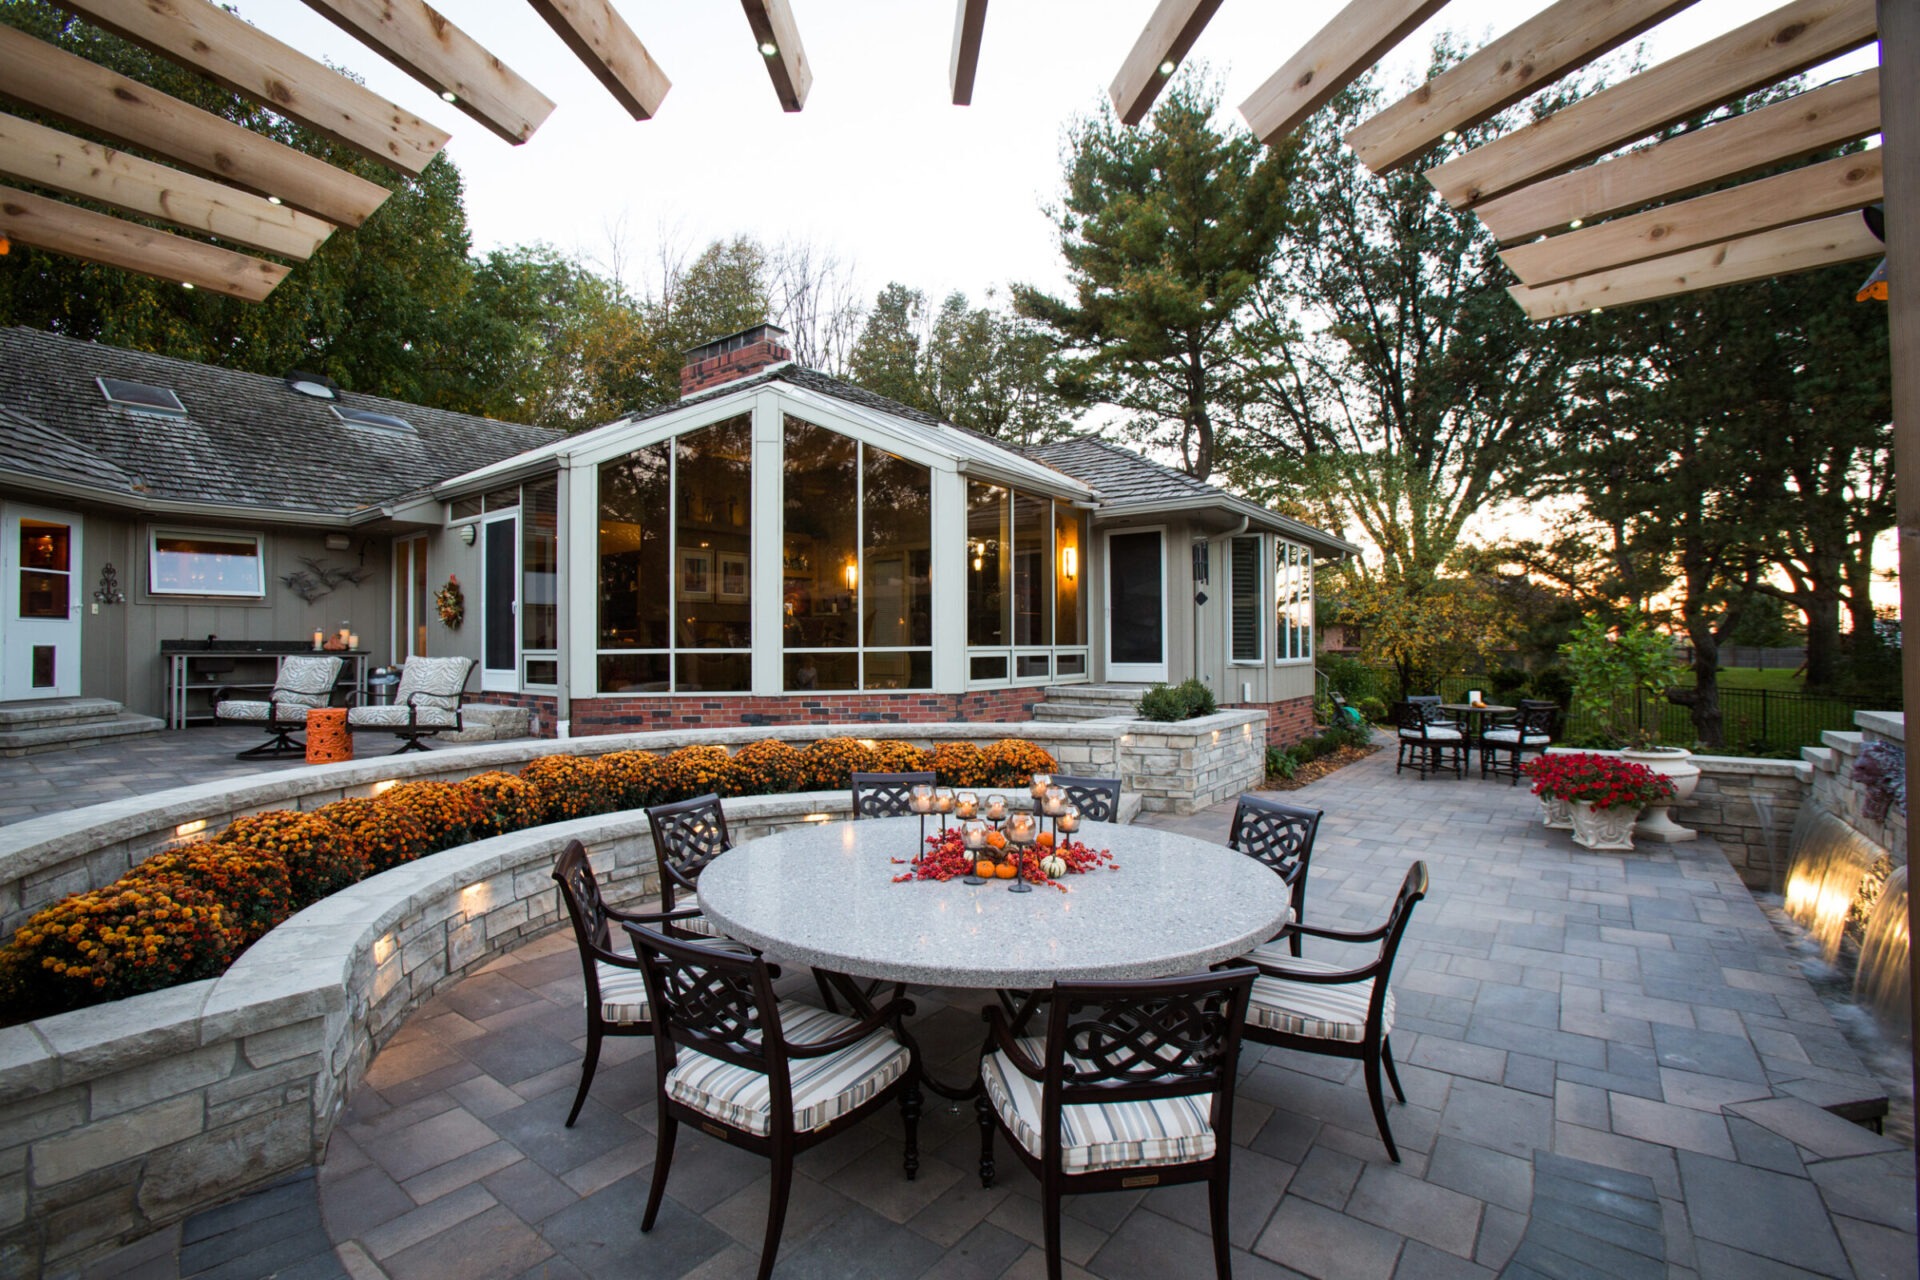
1603,793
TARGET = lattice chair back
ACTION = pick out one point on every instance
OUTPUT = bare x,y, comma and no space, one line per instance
687,835
1281,837
1098,799
1413,888
1159,1038
1537,719
715,1000
581,890
1410,718
885,795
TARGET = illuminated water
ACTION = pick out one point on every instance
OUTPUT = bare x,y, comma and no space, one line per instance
1825,870
1883,982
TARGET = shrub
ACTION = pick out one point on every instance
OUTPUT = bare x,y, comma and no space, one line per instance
762,768
506,803
830,762
895,756
1281,762
391,834
1605,782
447,810
692,771
252,887
961,765
568,787
1351,678
1553,684
320,857
1012,762
632,778
1184,701
1508,684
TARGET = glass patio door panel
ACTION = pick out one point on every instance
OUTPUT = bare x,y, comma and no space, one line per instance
500,605
40,617
1136,605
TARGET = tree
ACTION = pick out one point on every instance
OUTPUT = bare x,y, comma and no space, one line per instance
889,359
991,372
1167,232
1612,671
1420,629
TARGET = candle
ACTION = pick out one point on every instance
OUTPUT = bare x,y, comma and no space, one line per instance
921,800
966,805
996,807
319,638
1054,802
1020,828
1069,820
1041,781
943,799
973,834
353,641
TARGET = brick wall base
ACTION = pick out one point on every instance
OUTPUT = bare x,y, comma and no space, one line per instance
1288,722
593,716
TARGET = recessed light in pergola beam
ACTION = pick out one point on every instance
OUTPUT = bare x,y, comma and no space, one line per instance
601,38
95,237
778,38
57,83
1541,50
247,60
1784,43
969,20
76,167
1341,53
1784,251
1829,116
416,38
1845,182
1163,43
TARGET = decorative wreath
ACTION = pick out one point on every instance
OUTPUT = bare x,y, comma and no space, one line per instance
452,603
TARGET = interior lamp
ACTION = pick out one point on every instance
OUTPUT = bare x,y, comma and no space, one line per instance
1070,562
852,575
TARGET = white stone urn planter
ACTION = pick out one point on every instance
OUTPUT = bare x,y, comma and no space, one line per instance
1602,828
1676,765
1556,813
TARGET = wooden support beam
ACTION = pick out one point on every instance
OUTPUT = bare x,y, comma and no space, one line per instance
1783,43
416,38
1780,252
76,167
1842,112
1163,42
1832,186
218,45
601,38
1541,50
95,237
969,19
1341,53
778,38
37,75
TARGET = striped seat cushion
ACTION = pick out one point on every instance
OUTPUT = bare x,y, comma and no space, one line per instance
1514,735
401,717
1314,1010
1112,1135
243,710
1275,952
623,993
1434,733
824,1088
694,924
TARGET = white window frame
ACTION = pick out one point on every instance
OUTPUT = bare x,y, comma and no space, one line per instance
404,620
1260,612
1284,579
157,532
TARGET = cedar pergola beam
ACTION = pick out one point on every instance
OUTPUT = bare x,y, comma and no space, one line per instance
76,167
601,39
1783,43
1832,186
969,20
1163,43
416,38
96,237
1341,53
778,39
1541,50
51,80
1829,116
245,59
1783,251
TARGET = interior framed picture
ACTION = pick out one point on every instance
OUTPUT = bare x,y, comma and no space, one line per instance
733,576
696,575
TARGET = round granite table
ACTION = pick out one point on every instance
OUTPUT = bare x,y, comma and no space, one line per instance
824,896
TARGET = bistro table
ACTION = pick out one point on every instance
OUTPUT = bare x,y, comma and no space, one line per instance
1476,715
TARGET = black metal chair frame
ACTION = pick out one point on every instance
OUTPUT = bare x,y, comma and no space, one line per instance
1121,1027
885,795
1098,799
687,835
1426,754
717,998
1529,720
280,743
1373,1051
1280,836
580,889
1429,704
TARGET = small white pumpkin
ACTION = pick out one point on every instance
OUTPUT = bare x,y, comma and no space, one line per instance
1054,866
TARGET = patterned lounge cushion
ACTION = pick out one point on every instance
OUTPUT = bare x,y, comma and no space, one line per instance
241,710
437,682
1316,1010
1514,735
1434,733
1112,1135
824,1088
623,993
399,718
305,681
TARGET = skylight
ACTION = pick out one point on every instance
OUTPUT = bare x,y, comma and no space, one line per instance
142,397
373,421
317,385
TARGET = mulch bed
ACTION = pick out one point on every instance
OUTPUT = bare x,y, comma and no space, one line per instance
1314,770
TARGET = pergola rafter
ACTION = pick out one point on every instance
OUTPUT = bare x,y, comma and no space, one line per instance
82,233
777,36
602,40
1157,54
969,23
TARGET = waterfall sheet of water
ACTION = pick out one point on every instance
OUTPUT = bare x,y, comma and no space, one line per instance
1823,878
1884,980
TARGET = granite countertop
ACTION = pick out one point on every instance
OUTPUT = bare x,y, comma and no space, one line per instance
824,896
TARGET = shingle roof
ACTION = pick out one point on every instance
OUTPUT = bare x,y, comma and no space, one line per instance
247,440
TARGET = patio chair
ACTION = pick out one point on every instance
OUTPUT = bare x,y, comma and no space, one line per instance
616,989
1429,704
427,702
1502,746
885,795
302,683
770,1076
1426,746
1131,1086
1317,1007
687,835
1281,836
1098,799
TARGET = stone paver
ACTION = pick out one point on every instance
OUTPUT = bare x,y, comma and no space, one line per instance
1596,1049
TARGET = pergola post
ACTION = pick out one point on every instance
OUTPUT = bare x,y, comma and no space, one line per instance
1900,139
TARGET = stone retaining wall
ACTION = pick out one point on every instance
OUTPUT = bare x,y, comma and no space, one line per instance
1749,806
1835,791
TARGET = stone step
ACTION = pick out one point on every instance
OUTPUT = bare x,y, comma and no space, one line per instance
1058,711
1124,694
77,733
40,713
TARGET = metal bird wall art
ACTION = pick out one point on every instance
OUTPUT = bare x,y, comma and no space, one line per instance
319,578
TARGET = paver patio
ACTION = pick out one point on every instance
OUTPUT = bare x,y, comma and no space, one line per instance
1606,1059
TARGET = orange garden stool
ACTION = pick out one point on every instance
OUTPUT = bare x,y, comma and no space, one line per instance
327,736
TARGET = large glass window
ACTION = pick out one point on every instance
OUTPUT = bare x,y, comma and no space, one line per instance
540,567
896,571
989,535
1032,570
1243,571
1293,597
205,564
46,569
1070,558
1026,576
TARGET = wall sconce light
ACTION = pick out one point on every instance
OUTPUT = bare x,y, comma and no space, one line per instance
109,592
852,574
979,552
338,542
467,534
1070,563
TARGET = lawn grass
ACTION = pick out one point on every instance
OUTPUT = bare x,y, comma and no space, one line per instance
1782,679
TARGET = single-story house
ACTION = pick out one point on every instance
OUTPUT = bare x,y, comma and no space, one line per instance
777,547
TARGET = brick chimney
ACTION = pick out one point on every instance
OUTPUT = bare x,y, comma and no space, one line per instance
735,356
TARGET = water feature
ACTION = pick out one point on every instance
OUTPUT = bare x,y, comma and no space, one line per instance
1824,874
1836,879
1884,980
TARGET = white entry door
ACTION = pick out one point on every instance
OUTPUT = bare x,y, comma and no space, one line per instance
1137,605
39,572
500,603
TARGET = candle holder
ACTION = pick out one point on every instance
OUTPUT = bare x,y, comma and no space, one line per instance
943,805
996,810
966,805
920,801
973,836
1021,830
1053,803
1068,822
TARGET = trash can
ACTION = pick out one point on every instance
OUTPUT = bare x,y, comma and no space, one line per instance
380,686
